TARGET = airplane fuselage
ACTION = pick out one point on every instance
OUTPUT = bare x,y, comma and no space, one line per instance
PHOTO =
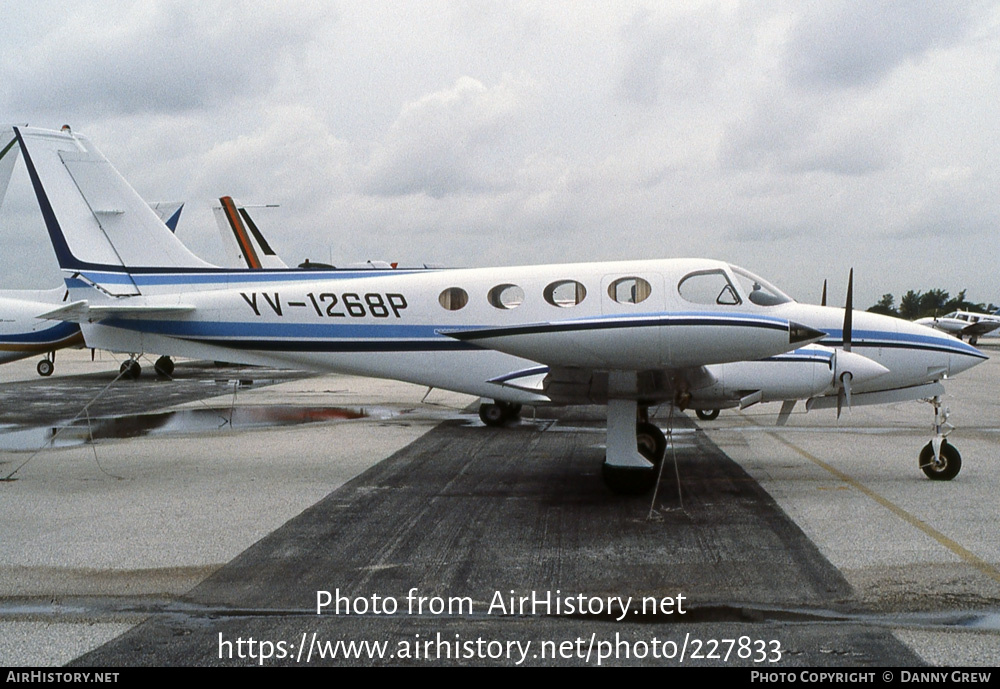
465,329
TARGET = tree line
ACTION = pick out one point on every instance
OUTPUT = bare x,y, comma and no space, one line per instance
935,302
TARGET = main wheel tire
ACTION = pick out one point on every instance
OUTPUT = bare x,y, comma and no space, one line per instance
45,368
947,468
650,442
492,415
130,369
164,367
652,445
707,414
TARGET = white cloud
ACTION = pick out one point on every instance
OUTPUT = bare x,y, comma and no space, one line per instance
461,140
155,56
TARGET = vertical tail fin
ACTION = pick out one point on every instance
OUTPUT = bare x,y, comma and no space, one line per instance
169,213
244,243
97,223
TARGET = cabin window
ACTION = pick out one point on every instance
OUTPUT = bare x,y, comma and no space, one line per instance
505,296
454,298
565,293
709,287
631,290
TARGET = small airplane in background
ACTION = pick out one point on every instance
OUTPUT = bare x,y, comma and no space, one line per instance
694,333
964,324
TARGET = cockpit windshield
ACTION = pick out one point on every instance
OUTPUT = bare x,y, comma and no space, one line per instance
758,290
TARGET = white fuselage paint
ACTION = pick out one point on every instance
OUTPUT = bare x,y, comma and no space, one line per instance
390,323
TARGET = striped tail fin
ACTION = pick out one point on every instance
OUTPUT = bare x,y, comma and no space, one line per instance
99,226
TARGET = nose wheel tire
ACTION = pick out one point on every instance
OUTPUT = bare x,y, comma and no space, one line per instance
707,414
944,470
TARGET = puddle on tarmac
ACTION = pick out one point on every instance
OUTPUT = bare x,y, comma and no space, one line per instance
19,438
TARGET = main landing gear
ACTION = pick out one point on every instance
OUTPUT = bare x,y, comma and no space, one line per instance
707,414
497,414
635,449
47,365
939,459
131,369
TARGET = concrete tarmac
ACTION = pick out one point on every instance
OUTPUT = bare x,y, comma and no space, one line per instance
816,544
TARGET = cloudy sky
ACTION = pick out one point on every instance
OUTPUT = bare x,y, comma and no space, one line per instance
794,139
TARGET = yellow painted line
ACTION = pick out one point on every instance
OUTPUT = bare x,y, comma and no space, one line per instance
963,553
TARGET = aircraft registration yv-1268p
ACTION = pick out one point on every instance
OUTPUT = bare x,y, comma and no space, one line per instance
691,332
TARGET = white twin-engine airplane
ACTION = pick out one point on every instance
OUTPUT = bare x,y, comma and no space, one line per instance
692,332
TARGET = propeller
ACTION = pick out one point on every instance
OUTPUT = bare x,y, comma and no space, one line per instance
844,379
823,300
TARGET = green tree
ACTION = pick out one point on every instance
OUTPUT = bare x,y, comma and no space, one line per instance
885,306
909,305
933,302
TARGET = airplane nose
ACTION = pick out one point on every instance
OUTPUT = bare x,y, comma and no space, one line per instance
801,334
965,360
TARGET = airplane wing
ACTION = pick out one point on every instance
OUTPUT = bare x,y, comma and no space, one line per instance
915,392
653,341
980,328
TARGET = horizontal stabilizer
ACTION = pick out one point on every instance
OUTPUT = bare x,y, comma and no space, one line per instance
83,312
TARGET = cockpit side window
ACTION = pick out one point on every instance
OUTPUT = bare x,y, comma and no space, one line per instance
709,287
758,290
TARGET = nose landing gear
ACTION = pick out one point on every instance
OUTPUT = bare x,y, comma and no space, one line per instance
47,365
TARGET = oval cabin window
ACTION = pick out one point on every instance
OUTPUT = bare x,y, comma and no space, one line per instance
506,296
454,298
565,293
631,290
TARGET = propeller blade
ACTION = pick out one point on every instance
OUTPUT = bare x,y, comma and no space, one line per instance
849,312
844,392
823,300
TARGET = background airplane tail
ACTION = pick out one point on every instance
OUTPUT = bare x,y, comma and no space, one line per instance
98,224
244,244
8,156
